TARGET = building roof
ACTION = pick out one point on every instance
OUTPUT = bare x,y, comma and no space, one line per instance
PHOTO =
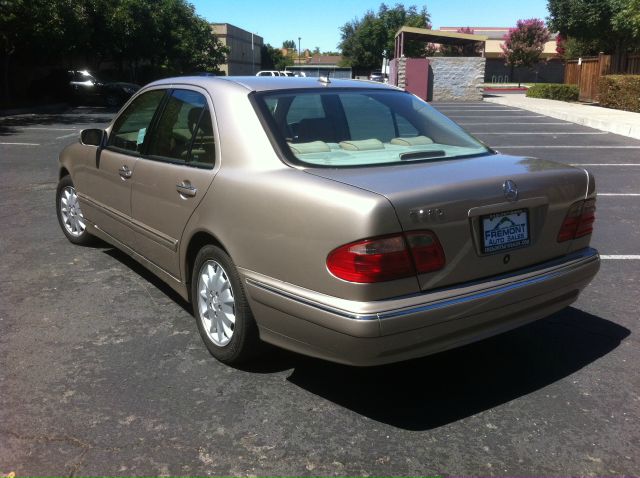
492,33
325,60
439,36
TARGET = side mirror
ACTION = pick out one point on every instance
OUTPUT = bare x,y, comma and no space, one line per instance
92,137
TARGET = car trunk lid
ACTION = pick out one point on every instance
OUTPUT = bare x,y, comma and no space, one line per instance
465,201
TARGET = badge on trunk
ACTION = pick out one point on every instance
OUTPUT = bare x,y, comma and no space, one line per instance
510,190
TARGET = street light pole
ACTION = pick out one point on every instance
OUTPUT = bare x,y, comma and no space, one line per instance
299,52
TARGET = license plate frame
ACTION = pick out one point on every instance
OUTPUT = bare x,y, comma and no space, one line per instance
503,231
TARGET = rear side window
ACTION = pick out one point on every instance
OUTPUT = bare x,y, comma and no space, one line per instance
203,147
180,126
130,129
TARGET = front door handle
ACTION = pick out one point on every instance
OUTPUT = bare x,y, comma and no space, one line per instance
186,189
125,172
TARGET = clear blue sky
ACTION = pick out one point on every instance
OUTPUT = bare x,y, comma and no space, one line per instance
318,21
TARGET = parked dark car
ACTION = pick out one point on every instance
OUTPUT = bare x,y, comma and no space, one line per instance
82,87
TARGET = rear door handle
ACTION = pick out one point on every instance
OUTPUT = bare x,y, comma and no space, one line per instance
125,172
186,189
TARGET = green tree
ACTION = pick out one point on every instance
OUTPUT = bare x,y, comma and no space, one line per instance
365,40
289,44
187,39
273,59
610,26
37,31
166,34
12,23
626,20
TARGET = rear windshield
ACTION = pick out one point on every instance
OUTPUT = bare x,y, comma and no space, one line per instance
343,128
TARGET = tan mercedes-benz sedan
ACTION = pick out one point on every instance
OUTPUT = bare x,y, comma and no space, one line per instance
346,220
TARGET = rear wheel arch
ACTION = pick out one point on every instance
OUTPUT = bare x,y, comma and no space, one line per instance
197,242
63,172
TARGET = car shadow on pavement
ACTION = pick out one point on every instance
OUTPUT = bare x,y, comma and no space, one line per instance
433,391
144,273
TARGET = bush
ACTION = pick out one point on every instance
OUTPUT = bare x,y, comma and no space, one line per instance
621,92
554,91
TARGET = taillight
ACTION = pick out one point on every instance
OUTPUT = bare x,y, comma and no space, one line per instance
587,218
428,255
387,258
578,221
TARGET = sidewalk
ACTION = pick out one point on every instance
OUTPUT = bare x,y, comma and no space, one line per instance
615,121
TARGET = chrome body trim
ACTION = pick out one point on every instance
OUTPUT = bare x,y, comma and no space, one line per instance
558,268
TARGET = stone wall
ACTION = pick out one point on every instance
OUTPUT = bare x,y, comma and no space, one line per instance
401,66
456,78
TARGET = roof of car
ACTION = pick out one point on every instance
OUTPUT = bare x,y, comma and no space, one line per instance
270,83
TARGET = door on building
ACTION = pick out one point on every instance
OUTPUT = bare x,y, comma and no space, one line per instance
417,77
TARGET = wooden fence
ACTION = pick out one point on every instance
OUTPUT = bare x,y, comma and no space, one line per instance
633,64
586,72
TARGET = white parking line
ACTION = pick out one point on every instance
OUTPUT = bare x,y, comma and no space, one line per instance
67,135
529,123
621,257
478,104
554,133
49,129
499,116
474,109
565,147
604,164
620,194
20,144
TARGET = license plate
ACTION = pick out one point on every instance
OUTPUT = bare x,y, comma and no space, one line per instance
505,230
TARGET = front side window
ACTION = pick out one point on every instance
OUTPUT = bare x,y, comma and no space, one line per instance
130,129
360,127
185,122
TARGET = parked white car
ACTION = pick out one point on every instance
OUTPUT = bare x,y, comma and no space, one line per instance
269,73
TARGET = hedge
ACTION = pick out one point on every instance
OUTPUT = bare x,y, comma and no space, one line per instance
621,92
554,91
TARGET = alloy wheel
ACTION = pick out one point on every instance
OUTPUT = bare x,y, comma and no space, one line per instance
70,211
216,303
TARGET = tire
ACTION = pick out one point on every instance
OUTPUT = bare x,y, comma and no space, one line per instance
70,215
220,306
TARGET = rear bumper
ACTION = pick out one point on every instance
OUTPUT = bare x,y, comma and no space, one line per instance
372,333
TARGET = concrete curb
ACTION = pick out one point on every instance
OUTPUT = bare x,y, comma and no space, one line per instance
624,123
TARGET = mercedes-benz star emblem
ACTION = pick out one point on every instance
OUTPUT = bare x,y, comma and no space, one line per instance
510,190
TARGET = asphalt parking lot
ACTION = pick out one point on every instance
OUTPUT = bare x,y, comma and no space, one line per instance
103,372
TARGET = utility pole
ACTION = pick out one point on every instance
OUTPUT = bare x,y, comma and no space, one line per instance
299,51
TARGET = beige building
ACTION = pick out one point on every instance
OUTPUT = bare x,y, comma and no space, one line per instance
495,39
550,68
244,49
